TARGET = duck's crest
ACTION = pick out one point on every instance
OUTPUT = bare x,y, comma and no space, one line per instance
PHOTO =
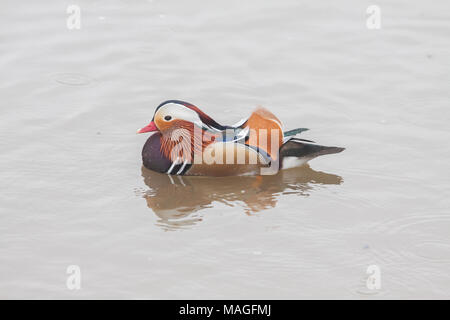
203,116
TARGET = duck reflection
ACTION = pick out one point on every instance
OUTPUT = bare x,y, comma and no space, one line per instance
177,200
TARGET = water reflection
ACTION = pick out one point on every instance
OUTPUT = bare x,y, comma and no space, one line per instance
177,200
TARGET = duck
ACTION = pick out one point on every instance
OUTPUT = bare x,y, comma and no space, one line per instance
186,141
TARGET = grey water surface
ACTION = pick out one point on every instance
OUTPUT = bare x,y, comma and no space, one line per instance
73,192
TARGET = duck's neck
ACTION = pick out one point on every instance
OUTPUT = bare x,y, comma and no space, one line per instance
184,143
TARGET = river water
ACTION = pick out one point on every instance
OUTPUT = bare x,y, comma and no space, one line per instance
73,191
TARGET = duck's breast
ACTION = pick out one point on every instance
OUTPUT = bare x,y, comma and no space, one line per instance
152,157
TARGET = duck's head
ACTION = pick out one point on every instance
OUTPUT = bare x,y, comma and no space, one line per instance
173,114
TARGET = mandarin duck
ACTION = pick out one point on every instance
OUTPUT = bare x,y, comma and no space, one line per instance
189,142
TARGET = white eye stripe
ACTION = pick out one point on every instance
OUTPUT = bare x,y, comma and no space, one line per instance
177,111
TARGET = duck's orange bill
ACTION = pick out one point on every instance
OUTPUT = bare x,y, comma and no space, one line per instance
150,128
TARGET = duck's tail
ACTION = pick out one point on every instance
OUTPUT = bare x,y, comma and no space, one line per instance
297,152
291,147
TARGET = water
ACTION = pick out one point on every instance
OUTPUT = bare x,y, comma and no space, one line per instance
73,191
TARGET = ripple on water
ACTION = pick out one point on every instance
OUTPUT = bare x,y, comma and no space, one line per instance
404,248
434,250
73,79
429,224
421,241
424,237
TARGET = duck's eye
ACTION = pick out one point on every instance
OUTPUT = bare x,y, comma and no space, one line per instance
167,118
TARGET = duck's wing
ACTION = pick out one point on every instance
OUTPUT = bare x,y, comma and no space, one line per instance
291,134
238,135
294,132
262,127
